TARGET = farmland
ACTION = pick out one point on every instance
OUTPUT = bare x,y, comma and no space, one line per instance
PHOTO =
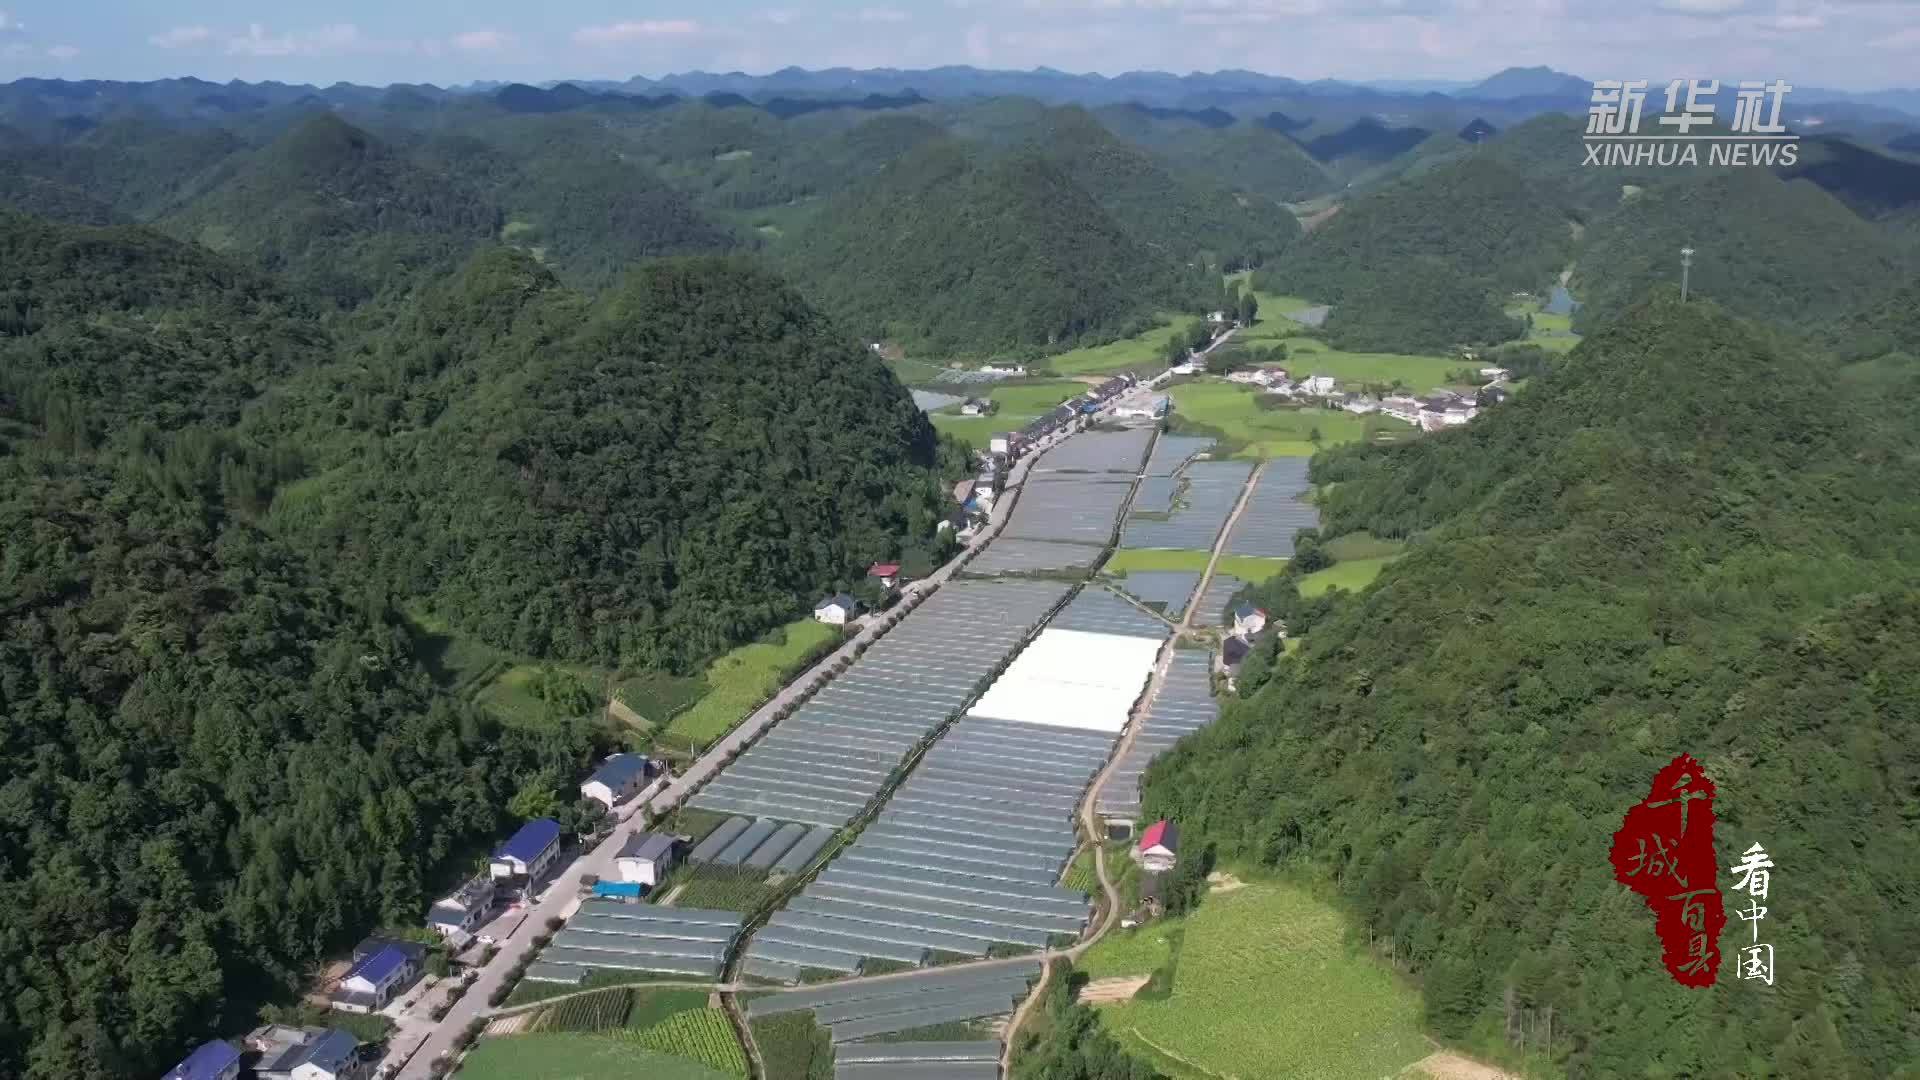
1244,567
578,1057
1240,953
719,887
700,1035
1019,403
1144,352
793,1047
739,681
588,1012
1237,417
1081,874
1547,331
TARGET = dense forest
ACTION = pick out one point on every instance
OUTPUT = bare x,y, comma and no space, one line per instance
958,250
1688,537
1476,217
1419,305
1782,251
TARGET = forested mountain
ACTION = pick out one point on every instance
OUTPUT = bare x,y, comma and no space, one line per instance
1179,218
957,250
1475,216
139,165
217,761
646,479
1766,248
1686,538
1419,305
336,207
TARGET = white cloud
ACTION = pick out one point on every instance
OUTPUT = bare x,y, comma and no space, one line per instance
334,40
62,52
181,37
10,25
482,41
1702,7
623,32
780,16
1796,23
1905,39
881,15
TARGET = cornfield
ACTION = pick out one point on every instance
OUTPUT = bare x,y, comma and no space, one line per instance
701,1035
588,1012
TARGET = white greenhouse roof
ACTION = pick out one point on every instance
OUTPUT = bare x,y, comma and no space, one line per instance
1072,679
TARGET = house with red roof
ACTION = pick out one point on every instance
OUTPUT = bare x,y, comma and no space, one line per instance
887,573
1159,846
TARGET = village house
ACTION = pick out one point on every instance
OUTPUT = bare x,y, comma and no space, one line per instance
1159,846
618,779
528,852
1247,620
308,1054
1001,444
1361,404
378,977
1402,408
1319,385
1142,406
887,574
835,610
215,1060
647,857
1233,652
978,407
454,916
1495,374
1014,370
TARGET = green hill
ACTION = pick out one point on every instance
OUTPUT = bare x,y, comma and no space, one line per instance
1685,539
1419,305
1768,249
648,479
335,206
958,251
219,759
1475,216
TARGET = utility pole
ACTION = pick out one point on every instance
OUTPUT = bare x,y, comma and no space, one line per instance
1686,265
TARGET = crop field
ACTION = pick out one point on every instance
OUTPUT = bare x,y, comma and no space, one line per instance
721,887
659,696
1549,331
1349,574
700,1035
747,676
1141,352
588,1012
1081,874
1019,403
651,1006
1234,414
1244,567
529,991
1362,545
792,1046
1264,975
578,1057
1140,951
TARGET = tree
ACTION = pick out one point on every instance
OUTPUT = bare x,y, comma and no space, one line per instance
1315,437
1249,308
537,797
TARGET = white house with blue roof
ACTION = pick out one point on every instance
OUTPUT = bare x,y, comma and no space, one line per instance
214,1060
377,978
529,852
319,1054
618,779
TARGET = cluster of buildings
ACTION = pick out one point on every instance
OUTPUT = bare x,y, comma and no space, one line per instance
1244,623
279,1052
1012,444
842,608
1438,410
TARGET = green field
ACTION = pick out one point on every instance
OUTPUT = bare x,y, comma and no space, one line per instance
1141,352
1233,413
1244,567
659,696
1363,545
1081,874
1549,331
511,695
792,1046
1349,574
1019,403
578,1057
702,1035
747,676
723,887
1263,976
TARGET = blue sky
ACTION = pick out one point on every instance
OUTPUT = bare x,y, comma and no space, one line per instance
1854,44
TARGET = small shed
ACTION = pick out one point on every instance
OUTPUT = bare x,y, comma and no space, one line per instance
646,858
835,610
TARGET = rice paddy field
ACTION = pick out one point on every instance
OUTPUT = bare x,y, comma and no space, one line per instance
1234,414
1142,352
1262,975
1244,567
739,681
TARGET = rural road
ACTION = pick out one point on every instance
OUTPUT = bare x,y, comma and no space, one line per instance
561,896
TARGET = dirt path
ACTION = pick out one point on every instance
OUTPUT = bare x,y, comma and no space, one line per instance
1447,1065
1110,991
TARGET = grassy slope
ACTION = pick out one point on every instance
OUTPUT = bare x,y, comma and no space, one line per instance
1234,414
744,677
1352,575
1264,976
1141,353
1019,404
